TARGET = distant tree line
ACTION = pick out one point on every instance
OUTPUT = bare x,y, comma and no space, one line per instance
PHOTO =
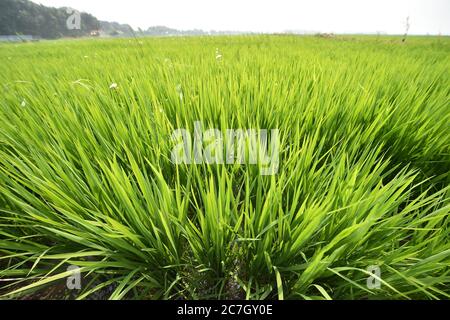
23,17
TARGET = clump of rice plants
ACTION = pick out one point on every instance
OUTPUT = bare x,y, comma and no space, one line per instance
86,177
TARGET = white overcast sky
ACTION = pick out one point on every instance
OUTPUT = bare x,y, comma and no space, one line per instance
339,16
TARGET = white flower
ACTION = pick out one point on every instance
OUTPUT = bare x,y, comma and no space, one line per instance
24,103
113,86
86,57
180,91
218,54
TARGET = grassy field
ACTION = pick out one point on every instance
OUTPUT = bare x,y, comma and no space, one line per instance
86,177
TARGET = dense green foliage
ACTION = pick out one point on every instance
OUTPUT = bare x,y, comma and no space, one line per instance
27,18
86,177
23,17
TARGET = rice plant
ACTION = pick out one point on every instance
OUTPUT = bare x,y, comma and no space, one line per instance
86,177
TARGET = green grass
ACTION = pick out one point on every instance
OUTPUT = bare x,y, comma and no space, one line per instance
86,177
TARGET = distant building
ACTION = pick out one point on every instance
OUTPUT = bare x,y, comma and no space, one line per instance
17,38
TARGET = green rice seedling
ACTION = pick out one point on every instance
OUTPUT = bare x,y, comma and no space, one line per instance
87,180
